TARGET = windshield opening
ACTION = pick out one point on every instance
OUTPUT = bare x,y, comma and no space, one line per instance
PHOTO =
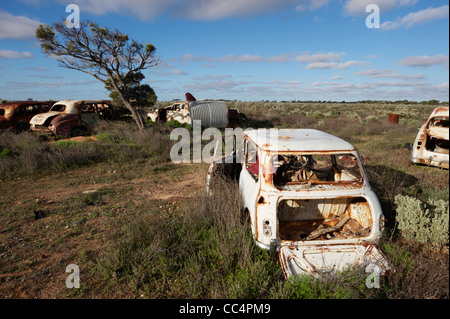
315,169
58,108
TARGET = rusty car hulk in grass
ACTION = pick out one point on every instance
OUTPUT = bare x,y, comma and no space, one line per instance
308,198
16,115
70,118
431,146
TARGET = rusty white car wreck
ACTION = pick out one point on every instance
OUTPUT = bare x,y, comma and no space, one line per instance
70,118
308,198
432,142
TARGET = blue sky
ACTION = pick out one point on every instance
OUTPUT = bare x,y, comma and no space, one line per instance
248,50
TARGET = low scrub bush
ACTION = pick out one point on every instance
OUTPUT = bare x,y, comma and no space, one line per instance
423,222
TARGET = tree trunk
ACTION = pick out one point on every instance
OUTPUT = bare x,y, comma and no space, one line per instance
136,115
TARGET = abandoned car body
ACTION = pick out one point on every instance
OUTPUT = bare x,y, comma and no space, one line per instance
432,142
210,113
17,115
70,117
308,198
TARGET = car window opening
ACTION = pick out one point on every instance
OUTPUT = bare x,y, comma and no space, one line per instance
437,140
58,108
292,169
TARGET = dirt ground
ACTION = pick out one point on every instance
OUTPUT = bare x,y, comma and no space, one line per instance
49,223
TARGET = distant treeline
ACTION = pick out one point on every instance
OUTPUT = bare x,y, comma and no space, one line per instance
429,102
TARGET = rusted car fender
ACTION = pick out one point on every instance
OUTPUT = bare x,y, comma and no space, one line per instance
65,124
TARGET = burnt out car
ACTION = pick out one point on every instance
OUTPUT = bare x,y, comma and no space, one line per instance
432,142
17,115
308,199
69,118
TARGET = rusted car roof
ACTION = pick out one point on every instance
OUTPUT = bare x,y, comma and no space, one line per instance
15,104
308,140
19,103
440,111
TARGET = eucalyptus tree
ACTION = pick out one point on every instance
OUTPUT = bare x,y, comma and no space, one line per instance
107,54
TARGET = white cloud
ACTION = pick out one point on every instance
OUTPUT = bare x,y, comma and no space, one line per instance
326,90
38,68
11,54
311,5
443,87
415,18
210,77
319,57
389,90
393,74
285,84
330,60
50,84
372,56
16,27
178,72
245,58
238,89
35,3
425,60
193,9
217,9
358,7
224,85
335,65
252,58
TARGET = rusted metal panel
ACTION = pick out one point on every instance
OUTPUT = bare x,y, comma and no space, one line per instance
431,146
325,261
304,140
438,132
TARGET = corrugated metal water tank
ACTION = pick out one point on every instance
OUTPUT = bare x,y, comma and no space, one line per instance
210,113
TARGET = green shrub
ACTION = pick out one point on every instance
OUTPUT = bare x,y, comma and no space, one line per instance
175,124
423,222
4,153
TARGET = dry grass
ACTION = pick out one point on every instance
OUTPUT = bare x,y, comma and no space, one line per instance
420,273
206,251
